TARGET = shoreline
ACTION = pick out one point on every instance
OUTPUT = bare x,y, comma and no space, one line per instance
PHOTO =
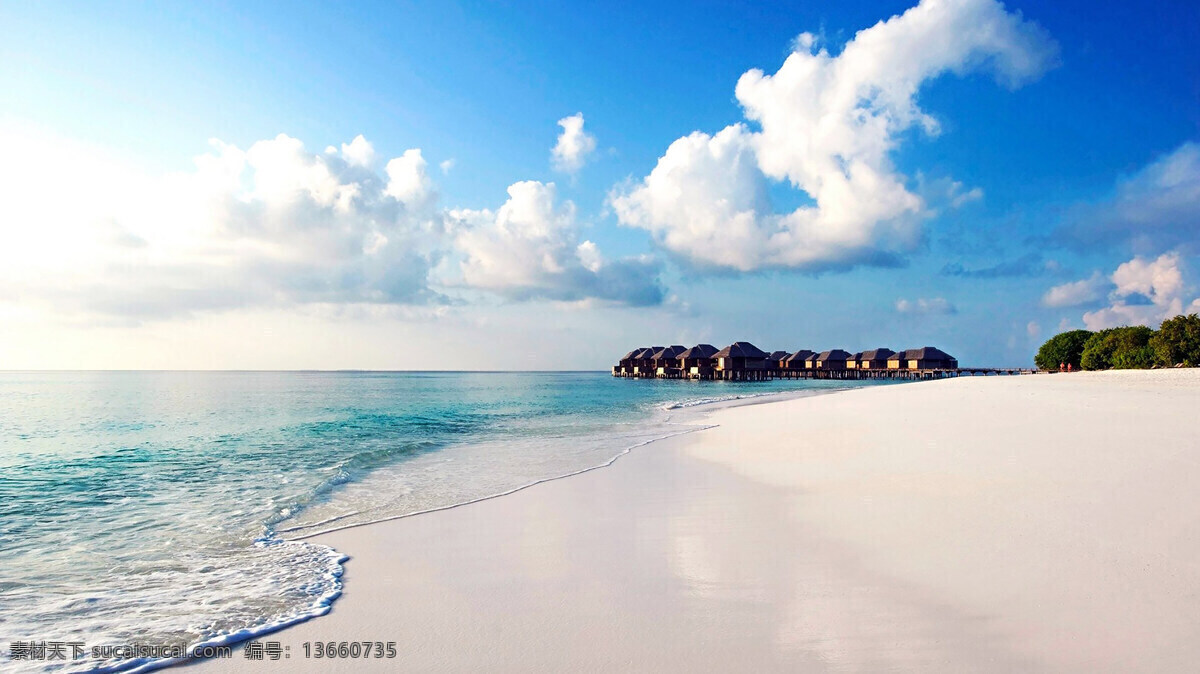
701,409
878,556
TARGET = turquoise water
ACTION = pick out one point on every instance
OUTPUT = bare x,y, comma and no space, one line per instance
165,507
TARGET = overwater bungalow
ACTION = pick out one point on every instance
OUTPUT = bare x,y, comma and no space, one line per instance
797,360
775,360
665,361
832,360
875,359
643,362
624,367
697,362
740,361
930,358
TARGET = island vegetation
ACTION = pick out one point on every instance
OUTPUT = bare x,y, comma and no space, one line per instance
1176,343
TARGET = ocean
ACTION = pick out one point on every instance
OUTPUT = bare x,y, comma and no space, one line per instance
171,508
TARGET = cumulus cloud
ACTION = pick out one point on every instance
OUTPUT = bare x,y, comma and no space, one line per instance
1154,209
574,145
271,224
924,306
828,126
408,181
359,152
1076,293
276,224
1146,292
530,248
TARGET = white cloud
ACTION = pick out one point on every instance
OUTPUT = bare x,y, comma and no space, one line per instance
1159,280
1033,329
409,182
277,225
676,201
529,248
924,306
1147,292
589,256
274,224
573,146
359,152
446,165
1156,208
828,127
1073,294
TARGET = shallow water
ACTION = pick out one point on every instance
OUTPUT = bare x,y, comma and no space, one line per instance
163,507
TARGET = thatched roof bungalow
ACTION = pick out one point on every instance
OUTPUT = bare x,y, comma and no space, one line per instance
875,359
798,360
832,360
626,363
775,360
898,361
667,358
697,359
930,358
852,361
643,362
740,356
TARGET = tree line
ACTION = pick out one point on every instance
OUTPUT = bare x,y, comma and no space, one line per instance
1176,342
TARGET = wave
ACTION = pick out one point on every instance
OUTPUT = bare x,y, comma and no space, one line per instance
321,604
696,402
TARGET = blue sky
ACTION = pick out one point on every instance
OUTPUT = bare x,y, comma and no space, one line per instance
1050,180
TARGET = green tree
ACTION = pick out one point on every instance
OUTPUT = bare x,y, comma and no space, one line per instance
1124,348
1177,341
1065,348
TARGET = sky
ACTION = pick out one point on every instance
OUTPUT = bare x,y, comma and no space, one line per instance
495,186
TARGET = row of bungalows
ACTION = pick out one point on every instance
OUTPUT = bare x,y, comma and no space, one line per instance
873,363
742,361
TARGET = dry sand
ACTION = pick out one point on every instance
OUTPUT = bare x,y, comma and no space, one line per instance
1006,524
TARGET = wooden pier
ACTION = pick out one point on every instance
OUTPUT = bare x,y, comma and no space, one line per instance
770,375
742,361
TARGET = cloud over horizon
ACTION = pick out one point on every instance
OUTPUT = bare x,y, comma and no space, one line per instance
828,125
276,224
273,224
1146,293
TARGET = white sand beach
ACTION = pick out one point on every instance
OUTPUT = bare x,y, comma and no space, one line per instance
1043,523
